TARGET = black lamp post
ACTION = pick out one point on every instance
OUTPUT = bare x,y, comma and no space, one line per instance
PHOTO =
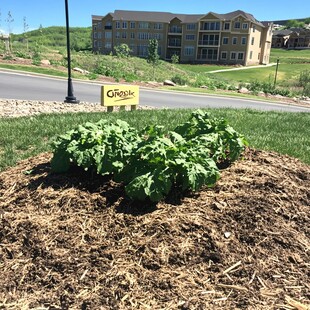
70,97
276,74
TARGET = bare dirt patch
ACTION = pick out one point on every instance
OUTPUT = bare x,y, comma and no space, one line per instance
76,242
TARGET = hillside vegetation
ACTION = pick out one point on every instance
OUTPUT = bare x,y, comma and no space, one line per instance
80,37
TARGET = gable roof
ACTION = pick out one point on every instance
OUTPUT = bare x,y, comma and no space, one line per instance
234,14
166,17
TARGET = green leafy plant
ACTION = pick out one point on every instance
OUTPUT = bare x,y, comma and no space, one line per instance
152,161
122,50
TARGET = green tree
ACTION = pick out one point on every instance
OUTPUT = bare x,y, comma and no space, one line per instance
307,20
293,23
153,57
122,50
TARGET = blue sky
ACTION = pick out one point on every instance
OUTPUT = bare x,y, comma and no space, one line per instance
52,13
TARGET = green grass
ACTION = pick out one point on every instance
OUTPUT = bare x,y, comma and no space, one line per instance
34,69
286,133
201,68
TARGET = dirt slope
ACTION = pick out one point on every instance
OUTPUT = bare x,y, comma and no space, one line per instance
70,242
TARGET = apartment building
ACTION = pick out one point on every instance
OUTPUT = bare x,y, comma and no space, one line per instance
232,38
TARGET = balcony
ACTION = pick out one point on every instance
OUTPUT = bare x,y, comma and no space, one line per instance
175,30
207,57
208,42
107,27
174,43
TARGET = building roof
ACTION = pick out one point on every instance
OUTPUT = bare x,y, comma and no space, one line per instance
282,33
160,17
166,17
234,14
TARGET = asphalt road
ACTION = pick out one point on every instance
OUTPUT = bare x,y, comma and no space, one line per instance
28,87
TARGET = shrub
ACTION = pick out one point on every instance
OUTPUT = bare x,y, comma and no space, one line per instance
304,82
151,162
179,79
122,50
175,59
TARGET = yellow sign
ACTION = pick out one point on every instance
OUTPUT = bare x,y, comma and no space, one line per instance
119,95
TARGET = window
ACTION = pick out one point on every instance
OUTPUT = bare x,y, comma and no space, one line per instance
226,26
124,35
245,26
225,40
132,35
251,54
240,55
132,25
108,45
252,41
108,35
234,40
224,55
189,50
143,25
190,37
157,36
210,39
158,26
143,36
117,35
209,53
124,25
190,26
95,35
108,25
211,26
254,28
117,25
233,55
175,29
237,25
142,50
243,40
100,35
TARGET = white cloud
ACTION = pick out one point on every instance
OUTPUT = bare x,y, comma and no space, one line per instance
2,31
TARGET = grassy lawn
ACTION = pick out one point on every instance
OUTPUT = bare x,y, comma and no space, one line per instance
291,64
286,133
201,68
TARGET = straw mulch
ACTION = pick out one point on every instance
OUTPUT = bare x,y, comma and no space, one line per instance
74,241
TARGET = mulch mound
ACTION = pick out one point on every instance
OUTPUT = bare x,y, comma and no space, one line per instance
74,241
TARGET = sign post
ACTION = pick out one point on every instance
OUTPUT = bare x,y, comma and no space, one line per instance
119,95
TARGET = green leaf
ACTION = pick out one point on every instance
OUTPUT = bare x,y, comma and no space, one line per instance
60,162
153,185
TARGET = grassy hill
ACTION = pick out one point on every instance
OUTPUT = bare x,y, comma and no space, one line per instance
80,37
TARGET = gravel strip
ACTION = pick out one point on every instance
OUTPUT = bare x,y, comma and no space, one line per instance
17,108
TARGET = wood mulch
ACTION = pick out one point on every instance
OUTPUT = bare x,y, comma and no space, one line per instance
73,241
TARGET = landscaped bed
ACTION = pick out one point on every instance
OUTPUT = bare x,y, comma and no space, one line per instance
73,242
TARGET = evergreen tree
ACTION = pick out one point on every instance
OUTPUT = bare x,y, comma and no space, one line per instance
153,57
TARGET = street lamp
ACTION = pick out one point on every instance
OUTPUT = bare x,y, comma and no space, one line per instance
70,97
